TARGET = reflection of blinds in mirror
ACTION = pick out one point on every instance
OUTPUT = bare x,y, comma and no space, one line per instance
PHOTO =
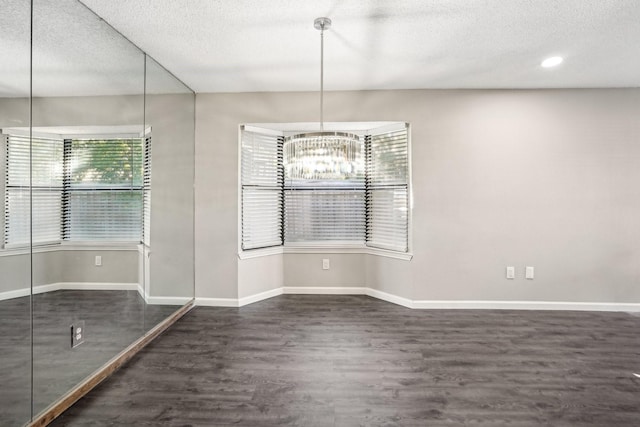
104,189
146,201
46,167
387,190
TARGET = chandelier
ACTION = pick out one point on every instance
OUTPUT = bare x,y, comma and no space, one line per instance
321,155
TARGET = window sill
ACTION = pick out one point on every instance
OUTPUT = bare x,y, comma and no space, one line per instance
257,253
70,246
96,245
278,250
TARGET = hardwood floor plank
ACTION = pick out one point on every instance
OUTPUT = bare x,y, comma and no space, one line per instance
114,319
322,360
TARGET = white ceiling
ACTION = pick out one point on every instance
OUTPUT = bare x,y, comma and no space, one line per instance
75,53
258,45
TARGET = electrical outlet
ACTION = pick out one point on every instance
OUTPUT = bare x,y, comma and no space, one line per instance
77,333
529,273
511,272
98,261
325,264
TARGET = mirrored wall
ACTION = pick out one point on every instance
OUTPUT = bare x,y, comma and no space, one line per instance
15,268
96,182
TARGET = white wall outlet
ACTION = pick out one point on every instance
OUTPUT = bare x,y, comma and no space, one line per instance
511,272
528,273
77,333
326,264
98,261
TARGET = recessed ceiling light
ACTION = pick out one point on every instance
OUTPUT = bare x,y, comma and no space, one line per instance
552,62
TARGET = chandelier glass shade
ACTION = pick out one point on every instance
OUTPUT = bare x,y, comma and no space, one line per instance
322,155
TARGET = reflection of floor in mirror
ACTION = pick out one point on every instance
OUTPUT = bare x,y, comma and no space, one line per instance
113,320
326,360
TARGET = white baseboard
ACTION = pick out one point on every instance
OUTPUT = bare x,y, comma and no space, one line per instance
168,300
241,302
527,305
85,286
325,290
42,289
259,297
70,286
237,302
217,302
421,304
18,293
390,298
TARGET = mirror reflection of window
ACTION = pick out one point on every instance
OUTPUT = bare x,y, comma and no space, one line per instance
83,189
103,192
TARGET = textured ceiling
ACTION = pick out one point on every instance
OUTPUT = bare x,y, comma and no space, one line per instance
257,45
74,53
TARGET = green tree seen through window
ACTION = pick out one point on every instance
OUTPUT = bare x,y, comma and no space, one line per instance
112,163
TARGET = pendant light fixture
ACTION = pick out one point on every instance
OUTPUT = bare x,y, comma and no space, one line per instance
321,155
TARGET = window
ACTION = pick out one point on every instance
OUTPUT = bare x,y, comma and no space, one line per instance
388,190
261,178
326,212
146,197
47,188
103,197
367,208
83,189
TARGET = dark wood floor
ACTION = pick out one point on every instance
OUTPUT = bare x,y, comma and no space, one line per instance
310,360
113,320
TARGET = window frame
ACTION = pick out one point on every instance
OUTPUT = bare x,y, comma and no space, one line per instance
269,189
25,134
118,133
100,189
332,247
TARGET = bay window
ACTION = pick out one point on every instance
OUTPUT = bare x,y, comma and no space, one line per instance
76,189
366,207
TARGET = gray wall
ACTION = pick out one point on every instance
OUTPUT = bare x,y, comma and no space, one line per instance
15,273
546,178
117,266
260,274
172,194
306,270
75,266
14,112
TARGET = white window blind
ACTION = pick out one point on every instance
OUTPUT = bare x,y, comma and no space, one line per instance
328,211
104,190
261,178
324,214
146,201
46,156
387,190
